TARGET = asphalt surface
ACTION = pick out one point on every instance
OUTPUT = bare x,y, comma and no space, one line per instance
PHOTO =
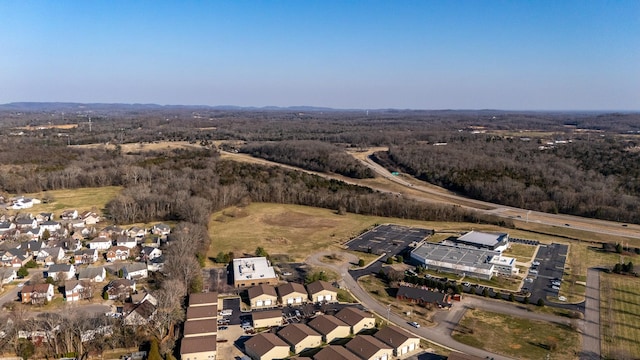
591,331
552,259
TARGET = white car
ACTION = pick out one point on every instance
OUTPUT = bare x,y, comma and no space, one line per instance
414,324
562,298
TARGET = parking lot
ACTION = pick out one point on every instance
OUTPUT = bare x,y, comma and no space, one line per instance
550,262
388,239
232,304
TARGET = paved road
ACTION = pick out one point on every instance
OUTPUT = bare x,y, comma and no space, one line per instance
591,331
440,337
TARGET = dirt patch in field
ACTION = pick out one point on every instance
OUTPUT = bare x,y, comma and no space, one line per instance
297,220
278,241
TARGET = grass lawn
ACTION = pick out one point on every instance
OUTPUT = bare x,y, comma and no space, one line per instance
620,316
516,337
83,199
521,252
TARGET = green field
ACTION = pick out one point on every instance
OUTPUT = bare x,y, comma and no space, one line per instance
516,337
83,199
620,316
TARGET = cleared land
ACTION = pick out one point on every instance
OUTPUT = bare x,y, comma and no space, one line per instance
298,231
522,253
83,199
619,320
516,337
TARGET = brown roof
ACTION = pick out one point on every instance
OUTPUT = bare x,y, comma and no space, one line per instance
199,312
199,299
393,336
352,315
39,288
366,346
317,286
205,326
145,309
268,314
263,343
262,289
325,324
295,333
198,344
335,352
290,288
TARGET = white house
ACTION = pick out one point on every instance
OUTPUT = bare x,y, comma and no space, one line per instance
7,274
60,271
93,274
150,253
50,225
156,264
126,242
135,271
100,243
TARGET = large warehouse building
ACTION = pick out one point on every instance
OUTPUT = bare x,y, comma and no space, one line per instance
480,263
253,271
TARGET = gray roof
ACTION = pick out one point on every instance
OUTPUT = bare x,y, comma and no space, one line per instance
463,257
90,272
59,268
481,238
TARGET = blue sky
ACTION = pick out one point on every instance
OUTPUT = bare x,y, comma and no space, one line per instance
518,55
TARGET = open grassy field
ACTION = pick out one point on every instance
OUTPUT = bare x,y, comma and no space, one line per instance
516,337
620,316
83,199
522,252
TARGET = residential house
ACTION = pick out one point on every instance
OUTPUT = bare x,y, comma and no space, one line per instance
300,337
100,243
31,233
142,296
51,226
6,226
85,256
321,291
42,217
156,264
76,224
266,346
141,313
120,289
203,299
357,319
202,312
198,348
292,294
369,348
24,223
135,271
400,340
329,327
203,327
136,232
161,229
69,215
262,296
92,274
111,230
7,275
36,294
49,256
60,271
421,296
15,258
33,247
126,242
76,290
150,253
118,253
335,352
151,241
266,318
90,218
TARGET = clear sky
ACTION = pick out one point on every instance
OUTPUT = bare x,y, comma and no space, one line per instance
512,54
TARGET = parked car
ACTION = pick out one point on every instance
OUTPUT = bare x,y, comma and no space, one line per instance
555,287
535,263
466,284
533,271
562,298
414,324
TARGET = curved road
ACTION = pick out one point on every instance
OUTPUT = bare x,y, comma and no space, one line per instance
447,320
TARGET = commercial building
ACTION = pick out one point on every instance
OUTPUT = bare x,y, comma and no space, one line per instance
253,271
495,242
457,260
